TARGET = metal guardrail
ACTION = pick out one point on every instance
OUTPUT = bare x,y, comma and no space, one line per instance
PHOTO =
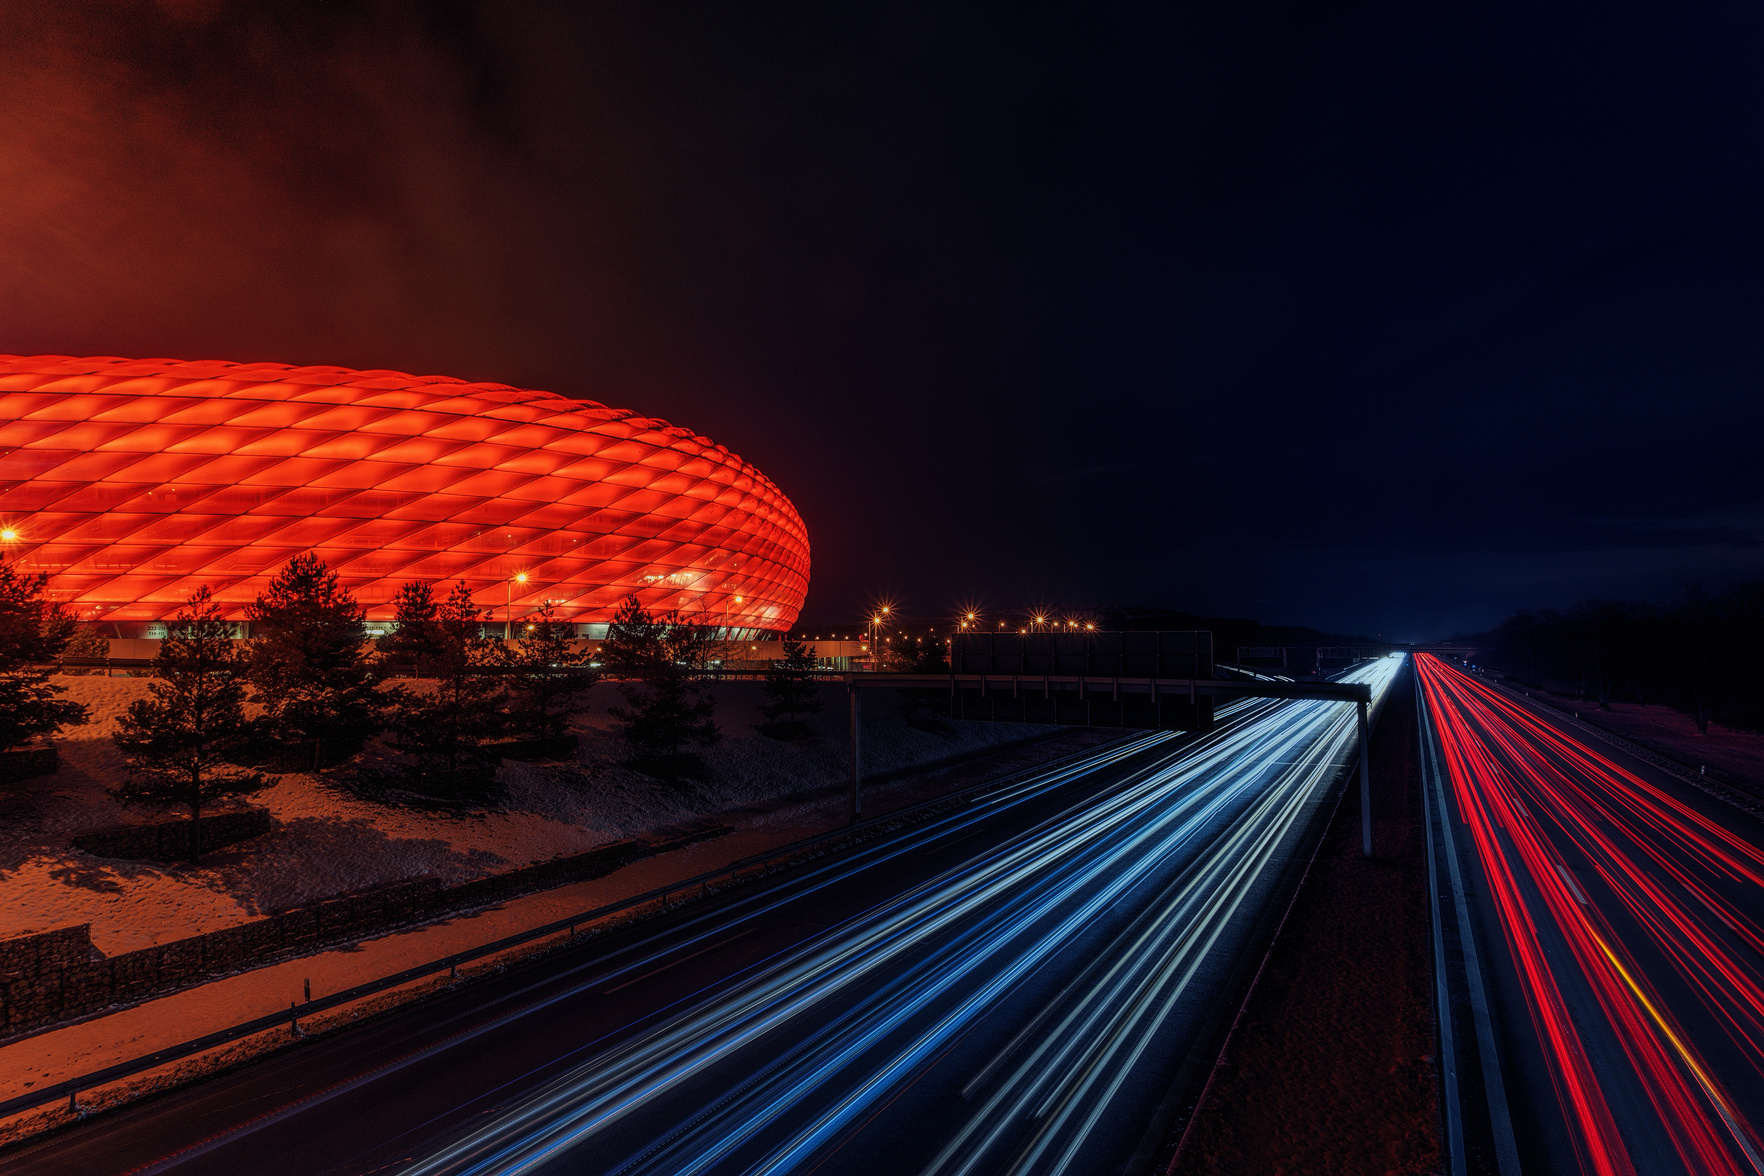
70,1088
1717,783
1083,683
1437,820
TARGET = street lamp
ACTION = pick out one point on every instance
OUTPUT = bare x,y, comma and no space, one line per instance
876,632
508,605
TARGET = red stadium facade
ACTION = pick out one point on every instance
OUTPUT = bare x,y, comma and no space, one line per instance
132,482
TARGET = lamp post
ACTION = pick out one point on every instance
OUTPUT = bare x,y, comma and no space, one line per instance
508,604
876,635
970,622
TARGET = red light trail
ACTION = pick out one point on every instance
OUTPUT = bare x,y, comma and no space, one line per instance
1654,913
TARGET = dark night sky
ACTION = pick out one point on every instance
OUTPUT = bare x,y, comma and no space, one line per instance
1380,318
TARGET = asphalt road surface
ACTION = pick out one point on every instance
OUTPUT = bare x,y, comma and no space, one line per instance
1617,912
1010,987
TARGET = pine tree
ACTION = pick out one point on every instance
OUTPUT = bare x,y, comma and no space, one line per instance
33,631
793,690
547,676
181,741
667,703
634,642
310,665
416,639
443,730
87,642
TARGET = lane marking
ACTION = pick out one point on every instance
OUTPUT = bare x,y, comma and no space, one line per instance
681,960
1711,1089
1500,1118
1442,999
1573,886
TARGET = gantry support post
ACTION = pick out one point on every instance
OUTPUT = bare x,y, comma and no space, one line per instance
857,762
1365,785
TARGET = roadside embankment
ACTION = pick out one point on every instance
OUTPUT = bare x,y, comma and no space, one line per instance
326,841
1733,757
49,1058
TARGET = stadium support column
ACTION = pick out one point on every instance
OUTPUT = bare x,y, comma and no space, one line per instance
857,808
1365,784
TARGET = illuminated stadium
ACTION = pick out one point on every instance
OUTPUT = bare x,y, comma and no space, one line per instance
132,482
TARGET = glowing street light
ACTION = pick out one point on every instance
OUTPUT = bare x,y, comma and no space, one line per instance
876,622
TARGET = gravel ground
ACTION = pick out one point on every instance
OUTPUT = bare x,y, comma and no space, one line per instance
1331,1068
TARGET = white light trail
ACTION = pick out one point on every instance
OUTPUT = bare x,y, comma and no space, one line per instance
1185,839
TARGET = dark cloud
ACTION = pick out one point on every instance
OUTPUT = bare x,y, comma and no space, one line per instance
1368,317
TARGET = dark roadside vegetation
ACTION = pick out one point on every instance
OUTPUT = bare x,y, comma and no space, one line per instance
1330,1066
1699,654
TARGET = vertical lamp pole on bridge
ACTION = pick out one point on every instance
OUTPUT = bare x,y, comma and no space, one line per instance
1365,785
508,606
857,808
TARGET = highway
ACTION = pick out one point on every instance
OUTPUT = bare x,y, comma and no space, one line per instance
1616,915
1010,987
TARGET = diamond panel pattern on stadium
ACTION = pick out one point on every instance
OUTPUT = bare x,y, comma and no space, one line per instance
134,481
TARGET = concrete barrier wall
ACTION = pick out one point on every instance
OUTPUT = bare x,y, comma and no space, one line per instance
56,976
133,647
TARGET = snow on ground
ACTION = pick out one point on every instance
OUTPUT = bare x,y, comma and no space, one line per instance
84,1046
331,843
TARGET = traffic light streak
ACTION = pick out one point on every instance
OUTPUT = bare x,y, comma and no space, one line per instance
1524,788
